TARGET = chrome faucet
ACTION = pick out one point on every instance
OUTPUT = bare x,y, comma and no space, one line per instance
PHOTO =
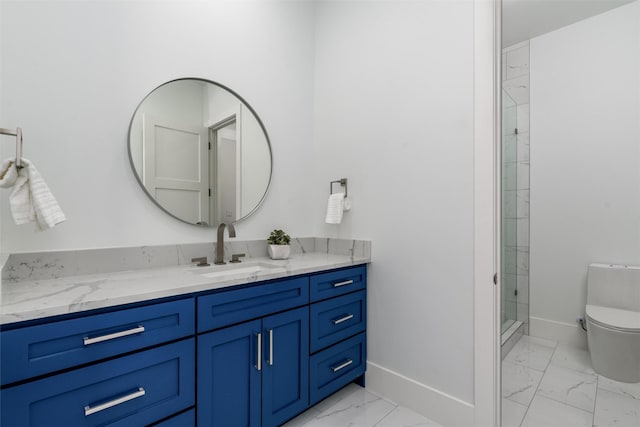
220,242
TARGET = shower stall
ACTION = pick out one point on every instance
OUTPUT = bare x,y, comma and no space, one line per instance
515,194
509,306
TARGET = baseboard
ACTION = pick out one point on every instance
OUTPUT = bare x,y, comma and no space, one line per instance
436,405
566,333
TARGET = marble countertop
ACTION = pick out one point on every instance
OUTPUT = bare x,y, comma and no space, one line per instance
35,299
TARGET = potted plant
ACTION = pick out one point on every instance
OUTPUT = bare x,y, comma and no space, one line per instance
279,245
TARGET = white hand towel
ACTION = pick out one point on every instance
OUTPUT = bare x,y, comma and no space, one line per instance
30,199
335,207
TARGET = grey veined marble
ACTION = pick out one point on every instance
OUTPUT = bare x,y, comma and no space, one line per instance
48,284
55,265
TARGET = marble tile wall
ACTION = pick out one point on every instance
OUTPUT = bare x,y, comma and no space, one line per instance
52,265
516,188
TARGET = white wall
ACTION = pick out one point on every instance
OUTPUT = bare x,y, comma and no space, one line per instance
394,115
585,161
74,72
378,92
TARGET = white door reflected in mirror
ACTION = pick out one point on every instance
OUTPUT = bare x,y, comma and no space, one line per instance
200,152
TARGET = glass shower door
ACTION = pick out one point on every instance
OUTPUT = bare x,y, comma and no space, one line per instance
508,215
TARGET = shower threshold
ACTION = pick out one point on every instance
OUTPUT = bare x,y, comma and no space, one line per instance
511,336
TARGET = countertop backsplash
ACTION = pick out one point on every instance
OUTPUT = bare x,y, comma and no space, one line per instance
59,264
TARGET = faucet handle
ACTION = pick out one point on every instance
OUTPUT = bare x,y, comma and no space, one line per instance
236,257
202,261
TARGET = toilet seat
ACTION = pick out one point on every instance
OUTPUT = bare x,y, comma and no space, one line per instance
614,318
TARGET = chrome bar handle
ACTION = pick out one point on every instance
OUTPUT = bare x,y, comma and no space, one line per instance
259,359
132,331
342,319
88,410
270,361
346,282
342,365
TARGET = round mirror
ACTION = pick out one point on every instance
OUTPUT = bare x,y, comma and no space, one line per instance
200,152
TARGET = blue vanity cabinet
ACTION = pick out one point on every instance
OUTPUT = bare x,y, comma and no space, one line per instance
132,366
285,373
133,390
255,373
229,380
53,346
336,319
339,282
239,305
337,330
185,419
253,355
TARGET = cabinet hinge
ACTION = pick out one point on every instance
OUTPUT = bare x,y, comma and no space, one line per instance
209,146
209,192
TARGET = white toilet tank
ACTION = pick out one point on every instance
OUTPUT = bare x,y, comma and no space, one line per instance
615,286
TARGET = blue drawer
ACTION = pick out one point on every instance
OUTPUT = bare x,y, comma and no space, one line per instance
132,390
340,282
336,367
36,350
186,419
336,319
239,305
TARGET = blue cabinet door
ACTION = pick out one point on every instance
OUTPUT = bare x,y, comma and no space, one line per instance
228,377
285,380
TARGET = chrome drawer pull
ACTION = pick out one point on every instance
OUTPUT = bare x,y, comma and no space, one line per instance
342,366
88,410
342,319
270,361
346,282
259,360
137,330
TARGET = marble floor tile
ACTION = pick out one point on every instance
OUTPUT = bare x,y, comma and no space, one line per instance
534,353
405,417
631,390
357,409
570,393
318,408
336,397
545,412
519,383
570,387
613,409
512,413
572,358
304,418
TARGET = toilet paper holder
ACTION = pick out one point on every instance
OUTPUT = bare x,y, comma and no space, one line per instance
342,182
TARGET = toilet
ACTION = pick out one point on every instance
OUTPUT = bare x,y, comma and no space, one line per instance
613,321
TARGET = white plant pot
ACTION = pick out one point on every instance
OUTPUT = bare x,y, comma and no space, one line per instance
279,251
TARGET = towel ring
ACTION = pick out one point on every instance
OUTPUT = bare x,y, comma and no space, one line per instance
18,134
342,182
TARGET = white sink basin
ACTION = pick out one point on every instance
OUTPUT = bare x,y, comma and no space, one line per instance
242,269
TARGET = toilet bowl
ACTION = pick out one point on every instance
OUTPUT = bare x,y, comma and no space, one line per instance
613,321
